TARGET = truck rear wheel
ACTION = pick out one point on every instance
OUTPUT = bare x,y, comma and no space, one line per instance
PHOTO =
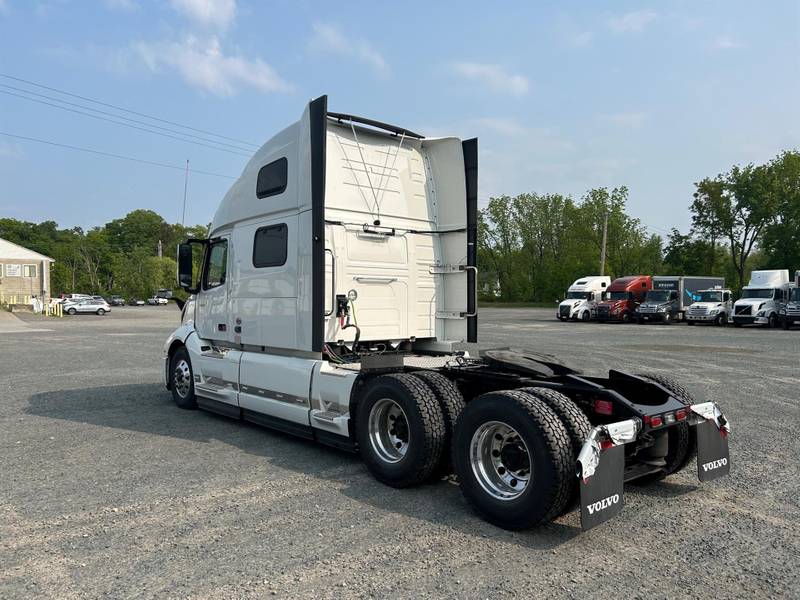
452,404
400,429
513,459
182,379
682,439
721,319
576,423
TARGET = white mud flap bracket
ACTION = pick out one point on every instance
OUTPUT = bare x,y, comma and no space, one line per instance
602,481
713,456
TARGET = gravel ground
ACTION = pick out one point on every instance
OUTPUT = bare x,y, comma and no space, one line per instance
108,490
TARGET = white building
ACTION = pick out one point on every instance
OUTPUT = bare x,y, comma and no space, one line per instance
23,273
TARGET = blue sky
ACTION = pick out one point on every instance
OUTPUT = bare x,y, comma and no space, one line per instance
564,96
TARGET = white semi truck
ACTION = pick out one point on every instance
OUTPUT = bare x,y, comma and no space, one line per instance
762,298
333,289
714,305
790,312
580,303
671,296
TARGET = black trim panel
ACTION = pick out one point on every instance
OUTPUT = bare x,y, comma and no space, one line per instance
303,431
220,408
318,112
334,440
470,148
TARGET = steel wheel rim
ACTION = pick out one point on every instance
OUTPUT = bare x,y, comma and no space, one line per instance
500,460
182,378
389,434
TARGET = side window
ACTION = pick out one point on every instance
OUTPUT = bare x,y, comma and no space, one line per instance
726,297
272,178
673,295
216,265
269,246
29,270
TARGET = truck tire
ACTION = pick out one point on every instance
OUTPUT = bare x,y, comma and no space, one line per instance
452,404
586,316
626,317
400,429
682,438
667,318
576,423
182,379
721,320
494,464
773,321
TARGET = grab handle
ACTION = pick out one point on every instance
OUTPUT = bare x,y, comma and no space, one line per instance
333,282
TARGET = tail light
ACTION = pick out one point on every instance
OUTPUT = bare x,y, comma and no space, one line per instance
603,407
606,444
656,421
681,414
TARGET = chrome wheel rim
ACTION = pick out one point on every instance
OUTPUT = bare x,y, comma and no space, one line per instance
182,378
500,460
389,434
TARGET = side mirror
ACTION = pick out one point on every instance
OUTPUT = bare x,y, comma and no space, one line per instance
186,274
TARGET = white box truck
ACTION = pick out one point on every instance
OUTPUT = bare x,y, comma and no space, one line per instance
762,298
337,279
714,305
671,296
580,303
790,312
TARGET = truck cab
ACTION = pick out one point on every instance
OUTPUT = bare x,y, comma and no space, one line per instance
789,314
714,305
580,303
671,296
762,298
623,297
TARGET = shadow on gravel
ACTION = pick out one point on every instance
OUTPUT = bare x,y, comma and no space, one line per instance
662,489
148,408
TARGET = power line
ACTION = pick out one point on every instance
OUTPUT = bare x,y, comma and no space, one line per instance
133,112
72,110
110,114
111,155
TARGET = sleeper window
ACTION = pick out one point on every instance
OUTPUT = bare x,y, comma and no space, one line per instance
216,266
269,246
272,178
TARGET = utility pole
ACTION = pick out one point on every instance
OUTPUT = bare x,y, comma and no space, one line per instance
603,246
185,188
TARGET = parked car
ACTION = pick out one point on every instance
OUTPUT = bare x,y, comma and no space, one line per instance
136,302
116,301
99,307
155,301
63,298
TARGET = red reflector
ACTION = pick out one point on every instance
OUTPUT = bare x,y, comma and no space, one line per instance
603,407
656,421
606,444
647,419
681,414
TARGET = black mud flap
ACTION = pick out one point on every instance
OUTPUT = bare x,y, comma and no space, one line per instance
713,458
601,494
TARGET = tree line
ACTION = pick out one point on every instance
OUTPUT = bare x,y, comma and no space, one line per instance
533,246
121,257
530,247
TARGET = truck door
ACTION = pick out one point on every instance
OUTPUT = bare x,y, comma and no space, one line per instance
212,300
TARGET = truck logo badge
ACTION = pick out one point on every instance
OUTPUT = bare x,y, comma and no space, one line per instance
604,503
715,464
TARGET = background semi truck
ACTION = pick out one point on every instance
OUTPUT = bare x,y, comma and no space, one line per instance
580,303
714,305
762,298
623,296
336,281
790,313
671,296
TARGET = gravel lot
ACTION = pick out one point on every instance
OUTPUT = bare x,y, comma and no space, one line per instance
109,490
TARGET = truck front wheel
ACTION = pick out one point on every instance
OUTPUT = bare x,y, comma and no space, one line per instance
773,321
400,429
182,379
514,459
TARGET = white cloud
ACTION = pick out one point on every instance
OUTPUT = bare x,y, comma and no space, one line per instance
330,39
204,65
726,42
10,149
494,77
123,5
630,120
215,13
632,22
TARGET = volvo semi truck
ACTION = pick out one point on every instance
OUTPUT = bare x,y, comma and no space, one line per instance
671,296
334,291
580,303
623,298
713,305
762,298
790,313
